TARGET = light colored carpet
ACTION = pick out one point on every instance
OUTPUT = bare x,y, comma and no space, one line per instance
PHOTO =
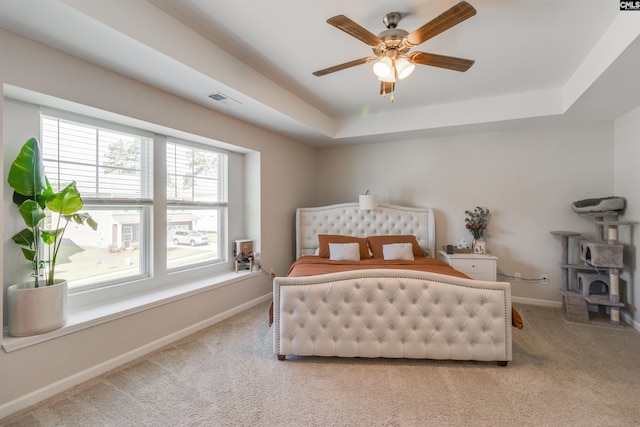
563,374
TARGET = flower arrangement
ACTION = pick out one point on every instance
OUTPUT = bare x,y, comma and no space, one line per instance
477,221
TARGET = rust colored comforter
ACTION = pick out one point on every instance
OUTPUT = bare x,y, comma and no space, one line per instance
314,266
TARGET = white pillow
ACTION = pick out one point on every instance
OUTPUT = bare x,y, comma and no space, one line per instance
344,251
398,251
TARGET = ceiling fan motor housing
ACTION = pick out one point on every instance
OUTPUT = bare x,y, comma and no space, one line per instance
392,40
392,19
392,37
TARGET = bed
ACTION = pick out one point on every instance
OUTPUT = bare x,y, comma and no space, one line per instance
388,303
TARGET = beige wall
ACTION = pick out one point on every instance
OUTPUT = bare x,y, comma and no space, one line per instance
627,183
285,170
527,178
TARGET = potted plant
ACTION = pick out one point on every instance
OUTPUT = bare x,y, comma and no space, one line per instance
476,222
40,305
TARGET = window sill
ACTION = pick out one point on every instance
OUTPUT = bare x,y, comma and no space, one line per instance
88,317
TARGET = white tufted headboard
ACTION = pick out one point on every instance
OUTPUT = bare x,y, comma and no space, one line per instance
348,219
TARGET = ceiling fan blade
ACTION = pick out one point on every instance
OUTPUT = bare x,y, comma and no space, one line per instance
446,20
343,66
448,62
345,24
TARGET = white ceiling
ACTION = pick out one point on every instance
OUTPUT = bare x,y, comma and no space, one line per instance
535,60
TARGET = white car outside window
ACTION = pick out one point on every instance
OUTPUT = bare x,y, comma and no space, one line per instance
189,237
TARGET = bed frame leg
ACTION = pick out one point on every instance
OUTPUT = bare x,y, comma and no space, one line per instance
502,362
282,356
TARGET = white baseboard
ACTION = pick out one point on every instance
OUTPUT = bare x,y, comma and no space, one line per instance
73,380
626,318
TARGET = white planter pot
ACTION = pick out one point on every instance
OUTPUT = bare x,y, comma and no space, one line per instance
34,311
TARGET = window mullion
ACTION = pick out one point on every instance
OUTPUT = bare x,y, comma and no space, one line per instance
193,175
97,169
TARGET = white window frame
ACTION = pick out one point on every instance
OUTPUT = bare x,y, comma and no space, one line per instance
153,275
106,303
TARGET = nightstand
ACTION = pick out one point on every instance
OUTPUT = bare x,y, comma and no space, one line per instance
476,266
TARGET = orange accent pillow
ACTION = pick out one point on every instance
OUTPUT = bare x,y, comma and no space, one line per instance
325,239
376,242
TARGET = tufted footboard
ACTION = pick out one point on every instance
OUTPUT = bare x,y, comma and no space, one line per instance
394,314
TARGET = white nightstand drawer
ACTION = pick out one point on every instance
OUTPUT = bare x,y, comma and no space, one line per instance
476,266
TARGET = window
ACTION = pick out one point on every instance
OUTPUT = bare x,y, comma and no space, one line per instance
112,169
142,188
196,204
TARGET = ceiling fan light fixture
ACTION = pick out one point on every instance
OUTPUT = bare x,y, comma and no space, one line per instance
391,78
404,67
383,68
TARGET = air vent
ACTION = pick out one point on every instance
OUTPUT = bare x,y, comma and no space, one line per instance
222,98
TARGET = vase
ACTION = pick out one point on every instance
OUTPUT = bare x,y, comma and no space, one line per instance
479,246
33,311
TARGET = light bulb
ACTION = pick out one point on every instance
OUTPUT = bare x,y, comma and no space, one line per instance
404,67
391,78
383,68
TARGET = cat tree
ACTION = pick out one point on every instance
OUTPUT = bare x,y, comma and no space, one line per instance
596,281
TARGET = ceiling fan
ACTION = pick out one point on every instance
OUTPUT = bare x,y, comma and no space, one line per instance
391,47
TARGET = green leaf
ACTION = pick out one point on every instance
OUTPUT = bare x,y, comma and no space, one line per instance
31,213
29,254
67,201
24,238
82,218
26,174
49,236
92,223
46,193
